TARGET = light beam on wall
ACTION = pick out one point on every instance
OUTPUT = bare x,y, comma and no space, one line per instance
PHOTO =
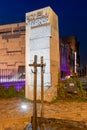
75,61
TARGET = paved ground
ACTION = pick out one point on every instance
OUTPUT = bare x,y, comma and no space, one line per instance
14,117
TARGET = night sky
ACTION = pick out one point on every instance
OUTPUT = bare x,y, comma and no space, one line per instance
72,17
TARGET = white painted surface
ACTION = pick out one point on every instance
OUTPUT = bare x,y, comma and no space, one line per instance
75,62
40,52
43,31
38,45
47,79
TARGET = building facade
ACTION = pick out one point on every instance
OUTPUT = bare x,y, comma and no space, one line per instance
69,56
38,36
12,50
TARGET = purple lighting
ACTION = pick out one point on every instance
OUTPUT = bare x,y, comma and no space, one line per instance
64,60
11,77
17,84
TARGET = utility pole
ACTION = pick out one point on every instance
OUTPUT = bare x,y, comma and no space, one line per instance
42,87
35,65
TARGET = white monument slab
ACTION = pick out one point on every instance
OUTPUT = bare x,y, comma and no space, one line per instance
40,41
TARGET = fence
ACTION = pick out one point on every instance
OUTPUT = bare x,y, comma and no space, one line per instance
10,77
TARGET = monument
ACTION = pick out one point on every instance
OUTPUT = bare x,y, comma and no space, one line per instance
42,39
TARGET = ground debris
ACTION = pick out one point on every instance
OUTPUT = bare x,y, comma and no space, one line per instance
61,124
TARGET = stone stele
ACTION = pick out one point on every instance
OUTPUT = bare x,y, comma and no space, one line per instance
42,39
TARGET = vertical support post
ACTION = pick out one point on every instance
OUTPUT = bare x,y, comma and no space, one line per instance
35,95
42,88
35,65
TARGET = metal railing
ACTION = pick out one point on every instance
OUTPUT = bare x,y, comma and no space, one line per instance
10,77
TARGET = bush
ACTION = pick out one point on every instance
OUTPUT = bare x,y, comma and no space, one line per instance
11,92
2,91
62,91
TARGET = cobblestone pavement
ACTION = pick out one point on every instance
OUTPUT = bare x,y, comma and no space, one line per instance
14,116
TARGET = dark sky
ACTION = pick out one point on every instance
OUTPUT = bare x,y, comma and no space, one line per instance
72,17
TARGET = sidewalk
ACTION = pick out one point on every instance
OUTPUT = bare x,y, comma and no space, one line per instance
14,116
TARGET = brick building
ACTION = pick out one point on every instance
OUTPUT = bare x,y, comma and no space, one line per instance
74,56
12,51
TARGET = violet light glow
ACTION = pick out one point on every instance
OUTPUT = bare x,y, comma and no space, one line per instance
17,84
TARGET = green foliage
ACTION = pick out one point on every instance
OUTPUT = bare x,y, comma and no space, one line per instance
63,94
81,92
11,92
61,90
2,91
54,100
